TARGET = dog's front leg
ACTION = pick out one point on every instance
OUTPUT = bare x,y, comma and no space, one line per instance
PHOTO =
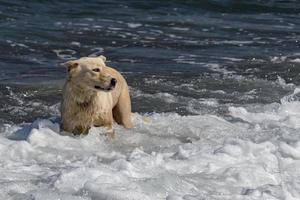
109,126
106,120
110,132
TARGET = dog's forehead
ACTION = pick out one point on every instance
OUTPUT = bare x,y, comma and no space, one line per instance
91,62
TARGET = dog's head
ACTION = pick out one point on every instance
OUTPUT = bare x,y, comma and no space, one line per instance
90,73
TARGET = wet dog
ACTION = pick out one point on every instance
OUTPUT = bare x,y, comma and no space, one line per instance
94,95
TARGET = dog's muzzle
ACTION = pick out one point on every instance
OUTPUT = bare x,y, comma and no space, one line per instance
112,85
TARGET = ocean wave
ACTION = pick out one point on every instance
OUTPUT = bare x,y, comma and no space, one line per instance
164,156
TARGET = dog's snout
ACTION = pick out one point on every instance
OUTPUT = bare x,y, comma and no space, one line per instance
113,82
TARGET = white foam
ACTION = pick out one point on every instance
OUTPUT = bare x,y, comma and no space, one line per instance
283,83
233,42
297,60
218,68
65,54
166,156
286,114
76,44
278,59
190,59
15,44
134,25
169,98
180,28
232,59
96,51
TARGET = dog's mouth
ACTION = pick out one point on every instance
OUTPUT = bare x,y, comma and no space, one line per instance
112,85
104,89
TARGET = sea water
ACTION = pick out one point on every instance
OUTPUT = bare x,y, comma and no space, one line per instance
215,96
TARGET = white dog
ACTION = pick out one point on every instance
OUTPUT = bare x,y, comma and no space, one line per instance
94,95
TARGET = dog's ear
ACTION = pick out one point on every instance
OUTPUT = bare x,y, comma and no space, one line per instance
70,65
102,58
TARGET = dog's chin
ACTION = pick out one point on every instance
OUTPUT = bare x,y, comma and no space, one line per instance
99,88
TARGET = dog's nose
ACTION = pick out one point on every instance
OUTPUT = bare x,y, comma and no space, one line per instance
113,82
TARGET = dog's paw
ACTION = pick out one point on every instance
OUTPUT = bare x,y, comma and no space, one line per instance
146,119
110,134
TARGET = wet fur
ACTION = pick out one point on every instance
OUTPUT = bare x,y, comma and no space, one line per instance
83,106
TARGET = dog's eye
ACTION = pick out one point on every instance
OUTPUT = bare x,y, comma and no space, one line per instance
96,70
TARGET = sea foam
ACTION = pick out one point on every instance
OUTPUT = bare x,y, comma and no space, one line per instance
166,156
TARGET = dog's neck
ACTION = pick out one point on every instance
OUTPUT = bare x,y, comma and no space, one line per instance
82,97
84,105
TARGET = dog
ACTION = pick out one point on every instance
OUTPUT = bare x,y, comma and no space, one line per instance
94,95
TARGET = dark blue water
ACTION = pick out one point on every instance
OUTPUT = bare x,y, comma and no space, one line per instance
189,57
